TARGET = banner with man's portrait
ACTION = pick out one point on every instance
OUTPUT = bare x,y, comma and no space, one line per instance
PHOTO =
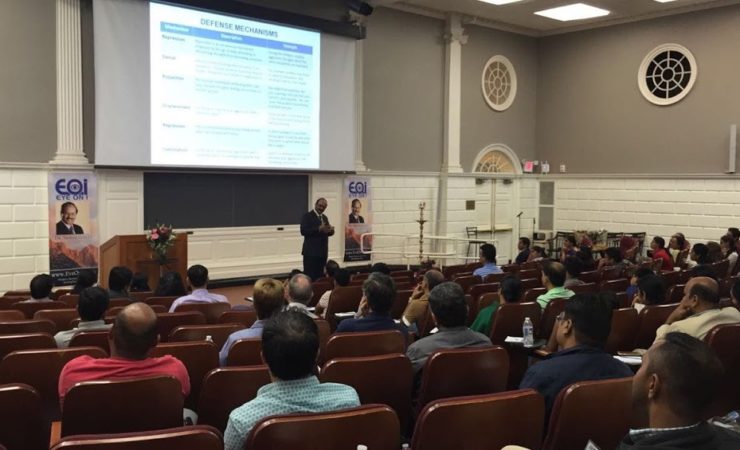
73,225
358,218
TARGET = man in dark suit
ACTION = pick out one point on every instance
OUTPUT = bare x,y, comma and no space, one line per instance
67,224
315,229
354,216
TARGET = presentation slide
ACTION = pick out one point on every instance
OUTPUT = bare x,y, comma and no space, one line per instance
231,92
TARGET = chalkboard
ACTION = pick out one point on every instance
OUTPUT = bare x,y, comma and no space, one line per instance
210,200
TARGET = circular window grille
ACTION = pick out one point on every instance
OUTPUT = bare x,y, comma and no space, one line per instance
499,83
495,162
667,74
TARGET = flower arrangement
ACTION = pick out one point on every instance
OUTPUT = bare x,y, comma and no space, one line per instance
160,239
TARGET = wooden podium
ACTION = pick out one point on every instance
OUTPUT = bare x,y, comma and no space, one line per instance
133,252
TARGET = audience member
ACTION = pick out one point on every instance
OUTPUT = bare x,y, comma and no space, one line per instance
704,270
586,255
140,283
487,256
581,331
268,299
341,278
536,254
677,381
699,256
553,278
290,345
134,333
85,279
523,247
661,258
381,268
699,310
450,311
573,269
119,281
41,286
378,294
729,252
419,302
330,268
509,291
678,248
613,258
628,247
569,248
92,304
714,252
637,273
298,292
198,282
650,291
735,233
170,285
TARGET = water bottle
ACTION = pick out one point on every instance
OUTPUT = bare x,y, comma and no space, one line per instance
528,333
362,447
209,338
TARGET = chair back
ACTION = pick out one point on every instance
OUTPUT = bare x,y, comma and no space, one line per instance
119,303
671,278
227,388
166,322
319,288
324,333
40,369
246,317
403,275
510,268
59,292
219,333
531,283
375,426
368,343
18,293
584,288
611,273
198,357
510,317
723,339
23,425
625,323
721,268
463,371
496,277
71,300
487,299
28,326
466,282
245,352
485,288
121,406
450,272
579,415
531,294
8,302
674,293
165,301
31,341
399,303
527,274
614,285
91,339
29,308
369,376
62,318
549,314
193,437
651,317
591,276
140,296
11,315
360,276
481,422
342,299
211,311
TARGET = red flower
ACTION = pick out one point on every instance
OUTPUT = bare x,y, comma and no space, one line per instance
155,236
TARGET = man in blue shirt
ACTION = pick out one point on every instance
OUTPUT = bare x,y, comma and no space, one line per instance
290,345
378,294
488,259
582,330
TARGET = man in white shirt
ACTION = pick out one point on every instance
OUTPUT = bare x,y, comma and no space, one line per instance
92,305
198,281
41,286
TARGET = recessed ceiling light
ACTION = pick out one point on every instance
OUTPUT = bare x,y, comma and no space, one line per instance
576,11
504,2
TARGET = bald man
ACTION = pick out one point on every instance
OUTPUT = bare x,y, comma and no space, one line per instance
698,311
133,334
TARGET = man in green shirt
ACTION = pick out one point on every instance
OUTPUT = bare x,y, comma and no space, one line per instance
509,292
553,278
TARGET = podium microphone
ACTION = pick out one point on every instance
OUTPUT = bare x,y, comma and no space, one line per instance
520,214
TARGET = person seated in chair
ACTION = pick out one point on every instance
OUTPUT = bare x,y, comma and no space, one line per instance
573,268
41,286
85,279
553,278
290,346
487,255
570,247
419,302
92,305
198,282
133,334
661,258
650,291
536,254
341,278
119,282
613,259
523,247
510,291
378,295
679,378
298,292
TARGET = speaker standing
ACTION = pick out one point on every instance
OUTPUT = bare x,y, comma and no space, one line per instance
315,229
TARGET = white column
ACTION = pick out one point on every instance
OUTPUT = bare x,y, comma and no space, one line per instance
359,87
69,84
454,38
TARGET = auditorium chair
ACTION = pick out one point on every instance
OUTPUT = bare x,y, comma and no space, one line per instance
403,275
531,283
31,341
121,406
219,333
18,293
426,324
40,369
651,318
487,299
721,268
194,437
579,414
22,425
140,296
625,323
399,303
62,318
163,301
384,379
225,389
477,422
11,315
584,288
591,276
674,293
375,426
508,321
368,343
472,310
8,302
30,308
319,288
480,289
531,294
324,333
98,339
404,285
71,300
671,279
211,311
723,339
529,265
622,300
360,276
525,274
28,326
59,292
166,322
246,317
342,299
198,357
245,352
463,371
451,272
118,303
510,269
611,273
496,277
614,285
549,314
466,282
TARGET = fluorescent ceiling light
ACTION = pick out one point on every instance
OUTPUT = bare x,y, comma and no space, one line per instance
665,1
576,11
504,2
